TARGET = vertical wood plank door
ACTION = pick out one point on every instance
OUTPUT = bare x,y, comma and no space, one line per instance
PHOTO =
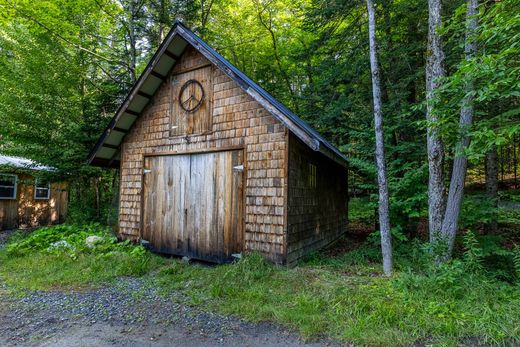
193,204
198,121
8,214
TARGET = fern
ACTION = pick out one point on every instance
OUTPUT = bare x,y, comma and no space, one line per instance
516,260
473,253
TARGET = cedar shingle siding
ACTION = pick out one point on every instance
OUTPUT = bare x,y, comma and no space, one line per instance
237,172
237,120
25,211
317,207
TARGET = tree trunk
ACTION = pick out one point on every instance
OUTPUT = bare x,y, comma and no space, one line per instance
502,174
163,19
515,162
133,12
458,175
435,147
97,196
384,219
114,204
492,185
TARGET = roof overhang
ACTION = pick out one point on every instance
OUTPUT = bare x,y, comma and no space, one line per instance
107,150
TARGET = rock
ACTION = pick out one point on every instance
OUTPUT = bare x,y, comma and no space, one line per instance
92,240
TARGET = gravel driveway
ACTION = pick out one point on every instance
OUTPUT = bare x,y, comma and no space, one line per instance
130,313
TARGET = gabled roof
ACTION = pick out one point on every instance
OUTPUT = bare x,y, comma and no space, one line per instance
22,163
106,151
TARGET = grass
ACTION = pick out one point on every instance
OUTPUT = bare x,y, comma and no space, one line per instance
34,262
41,271
343,297
353,303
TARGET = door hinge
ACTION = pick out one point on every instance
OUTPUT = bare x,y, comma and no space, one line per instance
145,171
238,168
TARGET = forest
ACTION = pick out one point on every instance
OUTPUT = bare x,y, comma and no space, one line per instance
421,96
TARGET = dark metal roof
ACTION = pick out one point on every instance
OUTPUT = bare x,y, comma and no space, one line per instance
107,148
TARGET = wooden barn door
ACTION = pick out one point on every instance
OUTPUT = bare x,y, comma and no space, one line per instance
193,204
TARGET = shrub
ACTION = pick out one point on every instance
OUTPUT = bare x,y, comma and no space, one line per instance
476,209
59,238
361,210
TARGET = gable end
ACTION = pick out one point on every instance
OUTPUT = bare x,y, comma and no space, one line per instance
107,149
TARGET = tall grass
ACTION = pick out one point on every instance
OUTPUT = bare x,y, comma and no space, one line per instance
357,305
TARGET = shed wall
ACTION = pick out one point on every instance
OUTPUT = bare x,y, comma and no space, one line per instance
26,211
8,214
237,121
317,201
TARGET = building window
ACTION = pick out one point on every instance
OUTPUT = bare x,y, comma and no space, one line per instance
42,189
312,175
8,186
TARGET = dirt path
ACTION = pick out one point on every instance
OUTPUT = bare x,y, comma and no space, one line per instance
113,335
130,313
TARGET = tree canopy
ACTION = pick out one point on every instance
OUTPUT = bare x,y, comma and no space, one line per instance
65,66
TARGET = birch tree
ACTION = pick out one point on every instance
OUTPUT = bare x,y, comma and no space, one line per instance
435,147
384,219
458,175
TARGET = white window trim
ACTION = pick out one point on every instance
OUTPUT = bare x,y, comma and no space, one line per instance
48,191
15,187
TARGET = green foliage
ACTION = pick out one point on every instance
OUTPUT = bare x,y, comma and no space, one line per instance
408,199
510,195
509,216
493,71
353,303
473,253
59,257
94,199
72,235
497,258
344,297
476,209
361,209
397,236
516,260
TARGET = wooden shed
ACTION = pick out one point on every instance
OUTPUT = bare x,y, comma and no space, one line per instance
212,165
27,199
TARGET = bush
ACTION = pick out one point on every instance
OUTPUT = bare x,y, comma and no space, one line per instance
71,240
60,238
361,210
476,209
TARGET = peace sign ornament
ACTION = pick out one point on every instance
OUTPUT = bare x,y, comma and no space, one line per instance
191,96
